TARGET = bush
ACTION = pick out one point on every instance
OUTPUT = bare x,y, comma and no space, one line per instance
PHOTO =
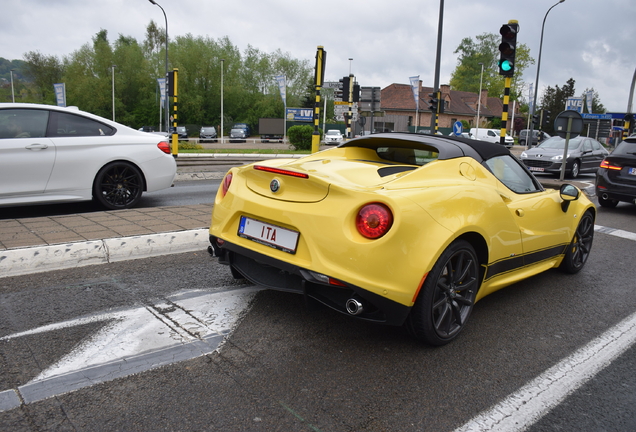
187,145
300,137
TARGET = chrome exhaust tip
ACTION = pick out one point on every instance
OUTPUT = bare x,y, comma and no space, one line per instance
605,196
354,307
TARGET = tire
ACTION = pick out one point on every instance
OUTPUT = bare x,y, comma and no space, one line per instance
118,185
580,246
608,203
522,142
444,303
576,169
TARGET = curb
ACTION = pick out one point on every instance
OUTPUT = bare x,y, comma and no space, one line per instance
38,259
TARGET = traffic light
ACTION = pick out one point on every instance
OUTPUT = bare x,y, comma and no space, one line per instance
535,119
356,93
345,88
433,102
508,48
545,119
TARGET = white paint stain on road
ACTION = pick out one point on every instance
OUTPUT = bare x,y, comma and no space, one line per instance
181,327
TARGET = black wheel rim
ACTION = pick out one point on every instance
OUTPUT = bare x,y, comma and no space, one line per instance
582,243
455,293
120,186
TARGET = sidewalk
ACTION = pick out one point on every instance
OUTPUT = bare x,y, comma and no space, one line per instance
39,244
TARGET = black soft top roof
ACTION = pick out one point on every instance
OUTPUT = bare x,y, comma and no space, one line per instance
447,147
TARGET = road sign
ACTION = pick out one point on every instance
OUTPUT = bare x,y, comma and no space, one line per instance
569,121
458,128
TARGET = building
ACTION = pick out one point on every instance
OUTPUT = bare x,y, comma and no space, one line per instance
398,105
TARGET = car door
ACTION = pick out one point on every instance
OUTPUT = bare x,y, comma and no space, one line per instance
599,153
27,157
588,159
538,213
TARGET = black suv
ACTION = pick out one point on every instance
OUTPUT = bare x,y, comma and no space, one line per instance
616,178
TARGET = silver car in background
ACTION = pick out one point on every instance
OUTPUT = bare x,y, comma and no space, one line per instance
584,156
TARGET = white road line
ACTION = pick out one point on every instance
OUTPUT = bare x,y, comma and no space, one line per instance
522,409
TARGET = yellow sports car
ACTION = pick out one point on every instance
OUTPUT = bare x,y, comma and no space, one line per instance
397,228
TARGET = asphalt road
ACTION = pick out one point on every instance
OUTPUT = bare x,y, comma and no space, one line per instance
284,367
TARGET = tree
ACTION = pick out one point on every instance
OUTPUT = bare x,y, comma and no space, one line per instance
44,71
485,50
554,100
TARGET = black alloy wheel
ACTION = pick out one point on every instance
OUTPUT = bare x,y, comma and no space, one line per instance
118,185
447,297
579,249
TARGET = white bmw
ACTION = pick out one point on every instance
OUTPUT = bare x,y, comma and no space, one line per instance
51,154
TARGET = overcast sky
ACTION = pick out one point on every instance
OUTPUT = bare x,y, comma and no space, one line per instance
592,41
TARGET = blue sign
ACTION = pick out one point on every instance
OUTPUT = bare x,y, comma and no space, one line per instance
597,116
300,114
458,128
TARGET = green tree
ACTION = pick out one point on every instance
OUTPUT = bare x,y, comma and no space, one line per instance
554,100
485,50
43,71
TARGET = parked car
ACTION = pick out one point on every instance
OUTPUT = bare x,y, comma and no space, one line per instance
244,126
400,229
51,154
537,137
584,156
491,135
182,132
616,177
333,136
207,133
237,135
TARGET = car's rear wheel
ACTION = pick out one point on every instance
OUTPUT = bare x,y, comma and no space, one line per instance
580,246
609,203
447,297
118,185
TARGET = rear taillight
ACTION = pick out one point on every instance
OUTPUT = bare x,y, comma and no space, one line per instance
227,181
374,220
164,147
281,171
607,165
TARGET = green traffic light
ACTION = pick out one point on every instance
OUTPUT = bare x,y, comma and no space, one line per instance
506,65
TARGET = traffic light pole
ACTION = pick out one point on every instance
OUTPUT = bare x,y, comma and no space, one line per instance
175,108
438,56
321,58
504,112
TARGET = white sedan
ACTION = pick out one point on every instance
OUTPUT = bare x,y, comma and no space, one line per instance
51,154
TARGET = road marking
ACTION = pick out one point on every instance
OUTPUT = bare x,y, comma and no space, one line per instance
181,327
615,232
535,399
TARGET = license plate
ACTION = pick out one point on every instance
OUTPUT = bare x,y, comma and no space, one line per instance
632,171
536,169
268,234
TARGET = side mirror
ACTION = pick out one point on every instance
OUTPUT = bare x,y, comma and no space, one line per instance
568,193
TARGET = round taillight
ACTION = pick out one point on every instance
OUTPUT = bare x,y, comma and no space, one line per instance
227,180
164,147
374,220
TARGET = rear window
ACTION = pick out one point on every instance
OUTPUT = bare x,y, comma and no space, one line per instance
407,156
625,148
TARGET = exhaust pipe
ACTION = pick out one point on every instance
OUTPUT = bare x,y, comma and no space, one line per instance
605,196
354,307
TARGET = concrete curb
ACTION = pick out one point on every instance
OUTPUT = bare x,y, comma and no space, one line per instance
17,262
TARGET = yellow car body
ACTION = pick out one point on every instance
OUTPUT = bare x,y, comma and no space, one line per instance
443,194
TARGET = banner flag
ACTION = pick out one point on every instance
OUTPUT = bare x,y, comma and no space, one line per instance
60,94
589,96
162,89
282,86
415,86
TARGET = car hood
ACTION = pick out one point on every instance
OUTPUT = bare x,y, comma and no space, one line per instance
544,152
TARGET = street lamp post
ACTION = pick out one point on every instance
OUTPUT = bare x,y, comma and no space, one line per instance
167,102
530,137
113,75
12,92
222,67
481,77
